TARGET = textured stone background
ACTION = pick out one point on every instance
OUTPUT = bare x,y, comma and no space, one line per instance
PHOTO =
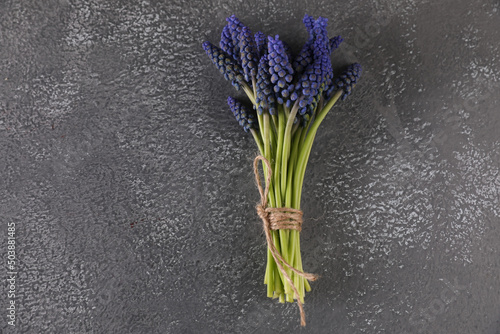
131,185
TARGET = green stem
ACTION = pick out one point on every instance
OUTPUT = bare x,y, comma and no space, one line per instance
269,277
287,111
254,86
295,128
285,236
273,280
287,141
249,93
261,125
257,140
292,167
251,96
277,167
275,123
267,155
304,133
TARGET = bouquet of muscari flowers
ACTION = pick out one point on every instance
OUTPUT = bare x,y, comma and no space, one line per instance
290,96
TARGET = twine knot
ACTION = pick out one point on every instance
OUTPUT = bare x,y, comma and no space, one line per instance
278,219
263,214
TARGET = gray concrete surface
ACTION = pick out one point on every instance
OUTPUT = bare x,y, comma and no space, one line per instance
131,187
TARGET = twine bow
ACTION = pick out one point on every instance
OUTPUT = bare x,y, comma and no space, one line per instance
275,219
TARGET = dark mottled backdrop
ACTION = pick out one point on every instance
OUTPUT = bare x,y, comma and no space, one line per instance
131,187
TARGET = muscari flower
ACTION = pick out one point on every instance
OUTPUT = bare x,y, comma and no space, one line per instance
304,58
245,117
231,70
317,73
248,53
280,69
265,95
348,79
335,43
234,27
226,42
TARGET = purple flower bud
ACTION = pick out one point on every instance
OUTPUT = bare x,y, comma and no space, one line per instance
246,118
248,53
335,43
231,70
348,79
318,71
279,68
234,27
265,89
309,23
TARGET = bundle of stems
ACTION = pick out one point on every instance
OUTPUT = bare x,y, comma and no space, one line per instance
287,145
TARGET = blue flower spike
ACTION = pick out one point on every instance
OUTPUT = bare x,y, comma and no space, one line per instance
280,69
309,23
348,79
265,94
234,27
248,52
318,72
335,43
245,117
304,58
231,70
226,43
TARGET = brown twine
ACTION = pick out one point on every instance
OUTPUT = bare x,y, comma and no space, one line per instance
279,218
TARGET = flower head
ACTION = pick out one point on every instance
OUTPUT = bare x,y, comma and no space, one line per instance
348,79
226,43
245,117
318,72
309,23
234,27
248,53
265,93
335,43
280,68
304,58
231,70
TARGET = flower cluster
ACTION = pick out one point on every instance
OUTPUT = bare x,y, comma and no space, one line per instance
280,69
231,70
315,75
347,80
264,65
245,118
265,97
248,53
